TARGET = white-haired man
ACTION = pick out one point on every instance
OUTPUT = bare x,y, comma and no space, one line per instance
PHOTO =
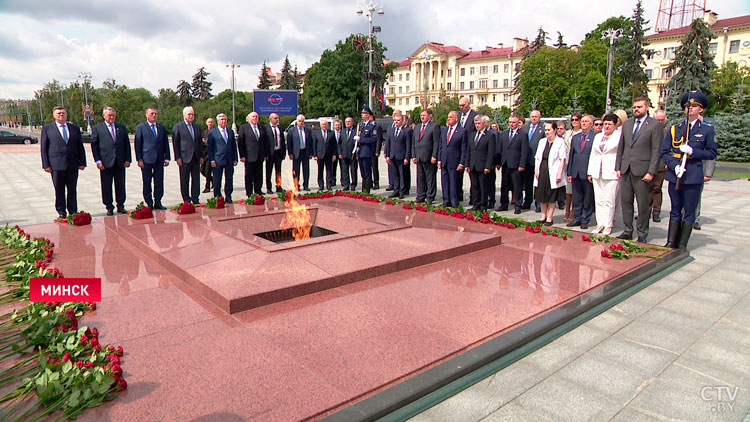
186,143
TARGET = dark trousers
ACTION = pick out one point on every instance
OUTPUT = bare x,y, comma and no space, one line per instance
633,187
303,160
375,172
512,180
188,171
396,171
491,187
390,176
449,184
480,184
228,171
528,185
334,166
153,172
107,176
426,181
407,178
348,173
365,168
656,194
326,178
253,177
274,163
684,201
64,180
583,199
207,171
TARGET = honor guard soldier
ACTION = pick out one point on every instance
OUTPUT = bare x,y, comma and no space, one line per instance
367,138
684,148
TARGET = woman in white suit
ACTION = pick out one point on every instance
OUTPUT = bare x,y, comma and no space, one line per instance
550,175
602,173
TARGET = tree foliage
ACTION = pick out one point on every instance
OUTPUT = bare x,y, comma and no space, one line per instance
545,79
288,79
184,93
264,81
633,52
201,88
725,84
693,64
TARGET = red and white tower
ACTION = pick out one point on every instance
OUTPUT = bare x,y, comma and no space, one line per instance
678,13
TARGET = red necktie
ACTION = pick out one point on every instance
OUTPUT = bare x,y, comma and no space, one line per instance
450,132
421,132
583,141
276,137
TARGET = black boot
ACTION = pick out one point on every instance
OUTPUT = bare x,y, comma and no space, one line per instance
366,186
673,234
685,230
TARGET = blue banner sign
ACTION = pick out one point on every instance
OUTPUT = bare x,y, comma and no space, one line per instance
281,102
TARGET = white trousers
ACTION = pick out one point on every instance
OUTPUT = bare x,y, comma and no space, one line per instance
605,194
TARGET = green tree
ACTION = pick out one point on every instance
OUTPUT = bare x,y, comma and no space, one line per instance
560,43
633,52
545,79
288,81
167,98
264,81
184,93
725,82
446,104
622,99
201,88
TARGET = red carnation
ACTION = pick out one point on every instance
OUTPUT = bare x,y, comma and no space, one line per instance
119,351
259,200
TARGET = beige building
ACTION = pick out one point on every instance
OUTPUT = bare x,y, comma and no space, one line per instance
732,43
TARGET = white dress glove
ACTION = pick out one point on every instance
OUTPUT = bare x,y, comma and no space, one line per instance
679,171
356,137
687,149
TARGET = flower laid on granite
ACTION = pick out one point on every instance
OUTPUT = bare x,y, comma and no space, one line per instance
184,208
216,202
408,207
81,218
629,249
389,202
255,199
141,212
596,238
538,229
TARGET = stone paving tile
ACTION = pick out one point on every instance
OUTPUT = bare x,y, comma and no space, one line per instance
701,301
666,329
512,412
558,398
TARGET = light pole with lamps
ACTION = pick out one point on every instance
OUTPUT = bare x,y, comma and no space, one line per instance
86,76
232,64
613,35
425,58
369,9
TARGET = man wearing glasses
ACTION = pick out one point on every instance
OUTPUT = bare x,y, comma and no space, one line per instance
597,126
661,172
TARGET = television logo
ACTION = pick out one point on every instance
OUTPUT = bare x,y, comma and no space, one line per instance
722,398
65,289
275,99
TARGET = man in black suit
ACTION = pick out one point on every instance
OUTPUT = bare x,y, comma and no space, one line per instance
152,153
276,151
325,153
63,156
636,164
252,143
298,138
426,138
222,154
186,141
110,146
492,177
535,133
578,165
347,157
451,158
378,149
480,155
514,157
397,154
466,121
206,166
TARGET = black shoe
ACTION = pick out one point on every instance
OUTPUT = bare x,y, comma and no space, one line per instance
419,201
696,226
626,236
574,224
401,197
446,204
656,218
121,210
389,188
62,216
685,230
110,212
502,208
584,226
306,189
475,208
393,195
548,223
376,186
642,240
542,221
278,189
526,207
517,211
430,201
159,207
538,209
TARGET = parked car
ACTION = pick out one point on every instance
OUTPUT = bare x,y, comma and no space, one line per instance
8,137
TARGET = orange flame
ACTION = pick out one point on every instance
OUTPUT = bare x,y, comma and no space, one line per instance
278,179
297,215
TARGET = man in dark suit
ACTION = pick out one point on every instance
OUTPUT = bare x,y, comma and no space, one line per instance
152,153
63,156
325,153
451,159
515,152
222,154
298,138
636,164
378,131
578,165
466,121
206,168
252,143
535,133
347,157
391,128
276,151
492,177
426,140
187,144
480,154
110,146
397,154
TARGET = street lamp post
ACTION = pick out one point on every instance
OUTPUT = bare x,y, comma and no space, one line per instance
613,35
86,76
369,9
425,58
232,64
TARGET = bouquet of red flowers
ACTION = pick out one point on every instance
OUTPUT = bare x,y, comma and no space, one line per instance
141,212
80,218
255,199
216,202
184,208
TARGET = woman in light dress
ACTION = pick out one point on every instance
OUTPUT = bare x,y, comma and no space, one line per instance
602,174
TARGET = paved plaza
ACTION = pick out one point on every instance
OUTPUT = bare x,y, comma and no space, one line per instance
677,350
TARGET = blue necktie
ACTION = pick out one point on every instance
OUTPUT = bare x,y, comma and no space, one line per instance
153,129
637,126
65,134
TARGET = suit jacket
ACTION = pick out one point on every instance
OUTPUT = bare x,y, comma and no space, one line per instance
426,146
272,141
57,154
480,155
468,125
107,150
701,140
186,147
453,154
602,163
515,151
534,140
640,155
149,149
578,159
293,141
324,148
498,147
252,148
346,149
398,147
223,153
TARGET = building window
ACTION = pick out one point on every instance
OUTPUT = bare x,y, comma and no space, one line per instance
471,70
471,84
649,54
399,101
649,73
483,70
734,46
463,71
450,72
408,89
483,99
392,102
471,99
416,100
434,100
669,53
506,67
407,77
505,83
393,90
449,86
483,84
505,98
666,73
400,90
713,47
517,67
495,68
391,79
407,100
494,98
461,85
